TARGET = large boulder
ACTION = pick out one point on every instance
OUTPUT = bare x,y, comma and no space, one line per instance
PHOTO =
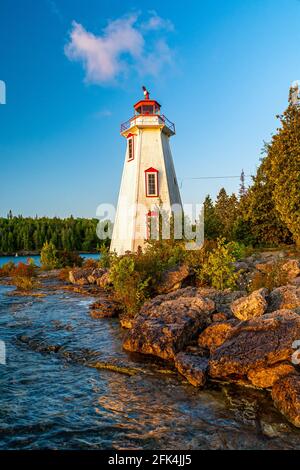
80,276
291,268
284,297
96,275
223,299
286,396
265,377
251,306
265,267
192,367
105,307
104,281
173,278
165,327
256,343
216,334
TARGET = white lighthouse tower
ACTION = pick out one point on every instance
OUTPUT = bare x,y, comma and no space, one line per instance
149,181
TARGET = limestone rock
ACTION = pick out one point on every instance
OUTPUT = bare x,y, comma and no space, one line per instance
265,377
127,321
222,299
163,328
257,343
104,280
192,367
241,266
265,267
295,281
80,276
219,316
216,334
173,278
292,268
286,396
284,297
105,307
254,305
96,274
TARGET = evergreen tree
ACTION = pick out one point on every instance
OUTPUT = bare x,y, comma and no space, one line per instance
226,210
258,211
211,221
283,169
49,258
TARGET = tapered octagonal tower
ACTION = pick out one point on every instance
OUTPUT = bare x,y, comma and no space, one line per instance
149,180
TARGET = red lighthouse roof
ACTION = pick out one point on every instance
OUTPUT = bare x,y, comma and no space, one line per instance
147,106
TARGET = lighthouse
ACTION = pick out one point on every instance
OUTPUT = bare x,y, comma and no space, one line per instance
149,180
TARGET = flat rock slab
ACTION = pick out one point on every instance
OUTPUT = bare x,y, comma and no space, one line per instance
286,396
216,334
257,343
284,297
105,308
164,328
266,377
192,367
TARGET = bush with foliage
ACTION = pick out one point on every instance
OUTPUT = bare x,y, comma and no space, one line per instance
68,259
6,269
49,259
129,287
218,268
24,276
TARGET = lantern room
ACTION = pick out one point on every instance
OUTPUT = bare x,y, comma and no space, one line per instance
146,107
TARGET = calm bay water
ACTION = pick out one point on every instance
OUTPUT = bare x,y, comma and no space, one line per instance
36,258
52,397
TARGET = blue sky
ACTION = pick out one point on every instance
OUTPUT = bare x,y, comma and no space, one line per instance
73,69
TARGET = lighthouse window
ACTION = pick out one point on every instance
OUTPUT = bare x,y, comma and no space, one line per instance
147,109
130,149
151,185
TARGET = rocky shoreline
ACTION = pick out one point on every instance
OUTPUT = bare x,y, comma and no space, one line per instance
249,339
207,334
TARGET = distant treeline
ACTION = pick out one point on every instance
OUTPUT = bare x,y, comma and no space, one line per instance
28,234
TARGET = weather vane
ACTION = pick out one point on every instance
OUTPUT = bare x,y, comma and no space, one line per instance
146,93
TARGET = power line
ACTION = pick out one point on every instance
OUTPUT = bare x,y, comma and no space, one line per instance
212,177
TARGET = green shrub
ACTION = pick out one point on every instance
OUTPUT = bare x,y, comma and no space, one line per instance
129,287
49,259
238,250
218,268
67,259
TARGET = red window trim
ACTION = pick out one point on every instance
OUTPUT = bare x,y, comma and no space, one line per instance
130,137
148,222
151,171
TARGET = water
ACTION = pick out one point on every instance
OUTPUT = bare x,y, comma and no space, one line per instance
37,258
52,398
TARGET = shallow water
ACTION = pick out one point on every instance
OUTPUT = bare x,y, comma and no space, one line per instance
37,258
52,397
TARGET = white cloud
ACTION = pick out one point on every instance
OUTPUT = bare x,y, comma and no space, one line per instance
125,44
156,22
